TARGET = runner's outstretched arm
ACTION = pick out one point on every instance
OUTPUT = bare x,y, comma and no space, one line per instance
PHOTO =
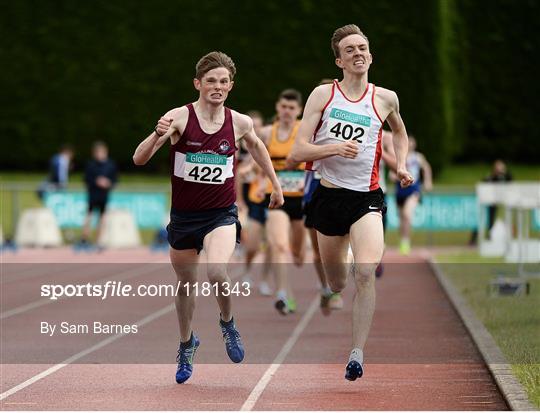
260,154
302,149
389,160
388,155
399,138
148,147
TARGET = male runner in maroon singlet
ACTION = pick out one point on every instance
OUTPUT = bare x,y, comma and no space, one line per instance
204,136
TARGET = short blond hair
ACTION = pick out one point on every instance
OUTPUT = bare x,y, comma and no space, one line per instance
213,60
341,33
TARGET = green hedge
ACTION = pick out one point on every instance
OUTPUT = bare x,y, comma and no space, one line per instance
80,71
502,52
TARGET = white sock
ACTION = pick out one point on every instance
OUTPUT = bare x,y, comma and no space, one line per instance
281,295
357,355
326,291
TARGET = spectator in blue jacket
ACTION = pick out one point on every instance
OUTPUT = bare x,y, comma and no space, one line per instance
59,167
100,177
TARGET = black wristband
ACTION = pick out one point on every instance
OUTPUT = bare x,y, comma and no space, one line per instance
157,133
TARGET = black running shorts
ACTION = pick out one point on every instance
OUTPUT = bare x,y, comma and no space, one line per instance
292,207
99,204
308,214
187,229
333,211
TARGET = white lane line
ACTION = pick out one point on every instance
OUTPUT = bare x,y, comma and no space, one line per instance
83,353
20,404
215,403
25,308
89,350
280,358
122,276
30,273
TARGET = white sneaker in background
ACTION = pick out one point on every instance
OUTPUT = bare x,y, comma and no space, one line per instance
264,289
247,279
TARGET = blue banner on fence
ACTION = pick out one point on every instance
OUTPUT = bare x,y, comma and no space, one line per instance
443,212
536,219
149,209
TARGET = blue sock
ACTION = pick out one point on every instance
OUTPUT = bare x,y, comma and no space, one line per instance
226,323
188,343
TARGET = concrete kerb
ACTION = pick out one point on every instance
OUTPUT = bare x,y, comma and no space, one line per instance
511,389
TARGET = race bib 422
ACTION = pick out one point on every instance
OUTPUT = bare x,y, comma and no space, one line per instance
205,168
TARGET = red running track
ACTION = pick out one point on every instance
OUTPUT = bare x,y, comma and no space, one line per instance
419,355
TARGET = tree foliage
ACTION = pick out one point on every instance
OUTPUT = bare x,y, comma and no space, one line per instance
80,71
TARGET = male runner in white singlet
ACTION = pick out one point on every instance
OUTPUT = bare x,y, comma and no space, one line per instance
344,120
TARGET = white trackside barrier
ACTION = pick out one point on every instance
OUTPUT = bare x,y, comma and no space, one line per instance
37,227
519,199
119,230
496,245
526,251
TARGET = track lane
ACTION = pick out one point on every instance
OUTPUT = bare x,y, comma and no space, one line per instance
443,372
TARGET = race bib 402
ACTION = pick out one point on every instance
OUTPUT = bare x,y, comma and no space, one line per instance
347,126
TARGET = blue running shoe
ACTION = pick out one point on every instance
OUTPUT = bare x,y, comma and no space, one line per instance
354,370
233,342
185,359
